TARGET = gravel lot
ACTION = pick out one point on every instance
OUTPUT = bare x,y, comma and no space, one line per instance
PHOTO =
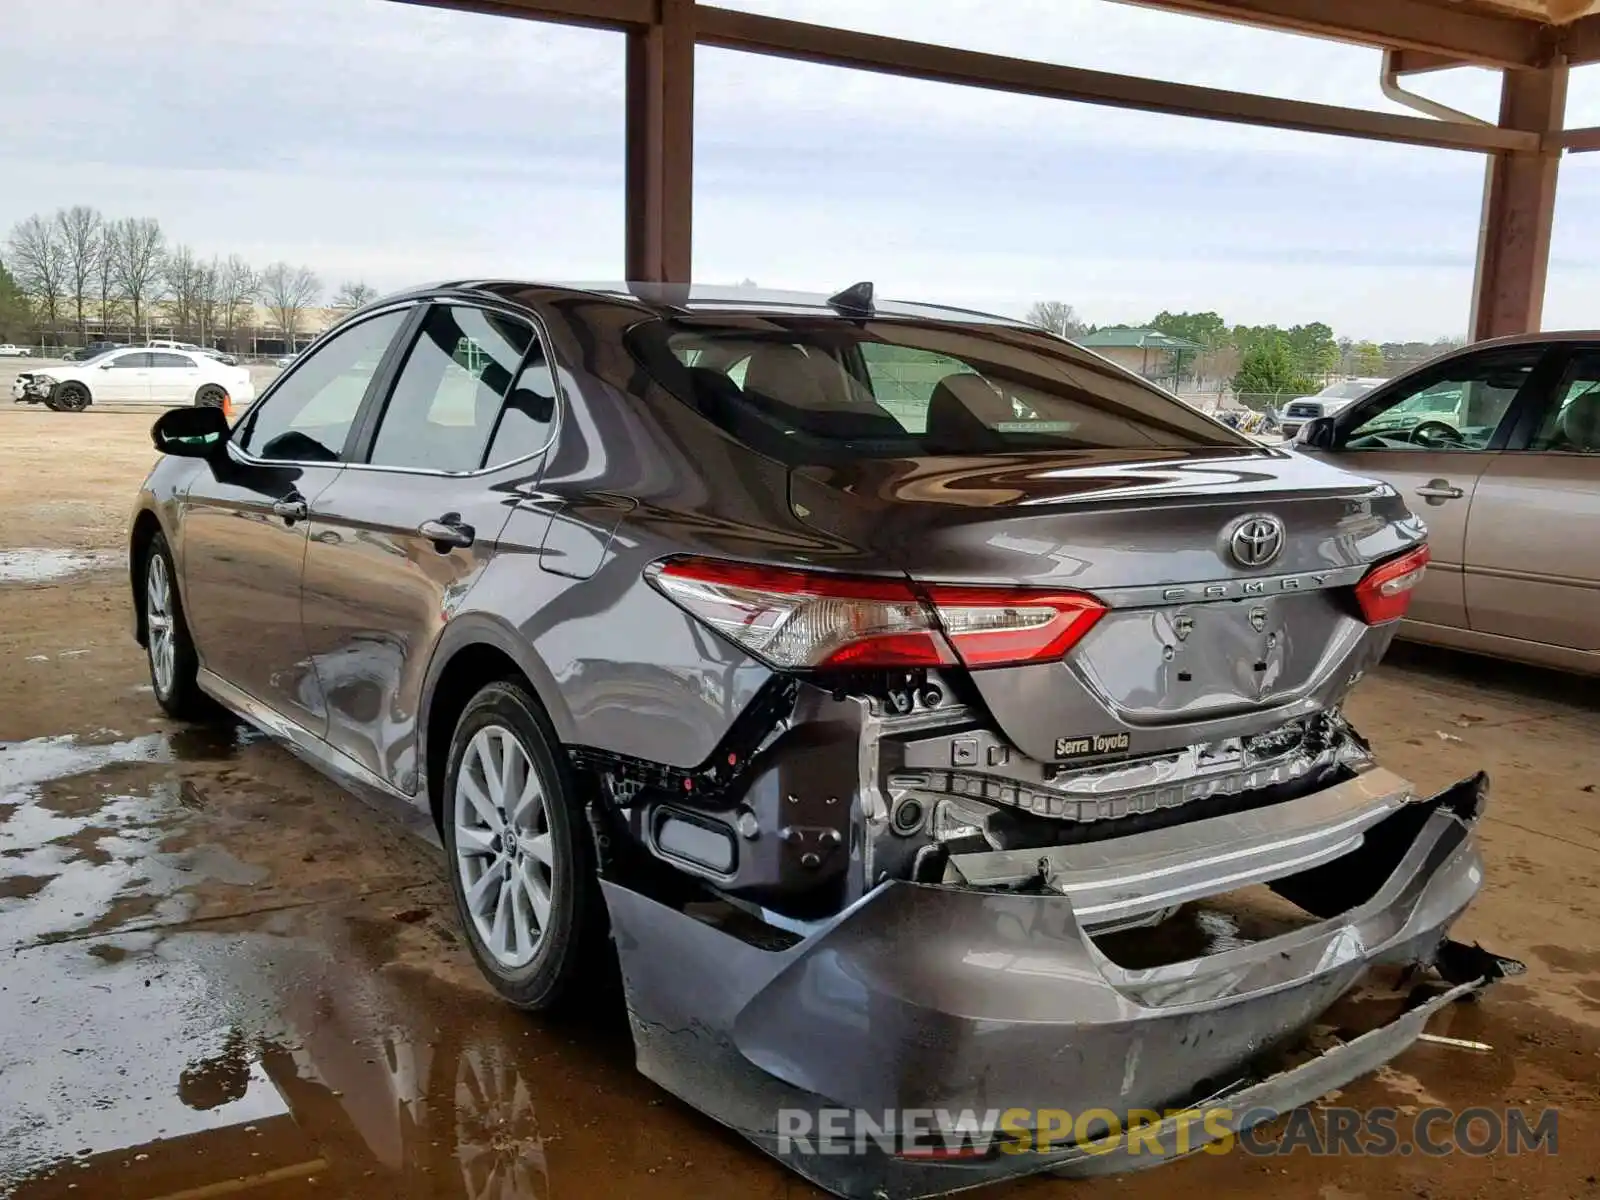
221,973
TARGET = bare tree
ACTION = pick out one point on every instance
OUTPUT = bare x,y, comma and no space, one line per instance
1058,317
287,292
138,269
39,264
184,275
106,271
352,295
238,287
81,230
208,298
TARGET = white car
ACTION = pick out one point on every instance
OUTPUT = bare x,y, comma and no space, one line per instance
137,375
7,350
1325,403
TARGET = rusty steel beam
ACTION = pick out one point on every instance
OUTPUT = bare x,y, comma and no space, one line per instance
1579,141
1580,41
919,60
1415,62
1450,30
595,14
659,184
1519,204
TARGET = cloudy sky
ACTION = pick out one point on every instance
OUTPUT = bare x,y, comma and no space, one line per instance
391,143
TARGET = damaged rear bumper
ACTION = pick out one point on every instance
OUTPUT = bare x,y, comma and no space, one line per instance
955,997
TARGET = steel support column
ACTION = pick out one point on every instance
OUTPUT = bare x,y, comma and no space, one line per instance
1519,204
660,145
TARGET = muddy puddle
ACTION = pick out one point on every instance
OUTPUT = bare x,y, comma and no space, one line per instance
51,565
304,1055
97,835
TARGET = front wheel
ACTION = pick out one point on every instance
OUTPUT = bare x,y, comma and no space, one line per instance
173,665
520,855
69,397
210,396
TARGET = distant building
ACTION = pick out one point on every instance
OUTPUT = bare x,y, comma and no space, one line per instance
1159,357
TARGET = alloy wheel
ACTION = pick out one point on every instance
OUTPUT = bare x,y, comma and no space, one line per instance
158,624
503,849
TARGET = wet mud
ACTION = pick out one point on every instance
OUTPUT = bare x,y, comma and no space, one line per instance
221,976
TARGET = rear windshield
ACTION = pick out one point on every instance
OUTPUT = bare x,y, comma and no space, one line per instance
815,390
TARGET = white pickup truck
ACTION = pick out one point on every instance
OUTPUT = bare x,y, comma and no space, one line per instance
1325,403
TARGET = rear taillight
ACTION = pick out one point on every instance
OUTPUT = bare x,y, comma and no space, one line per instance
990,627
800,620
1385,593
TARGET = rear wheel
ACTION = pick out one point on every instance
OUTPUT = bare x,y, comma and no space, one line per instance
210,396
520,856
168,647
69,397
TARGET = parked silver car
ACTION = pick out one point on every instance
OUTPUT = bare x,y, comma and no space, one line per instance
869,669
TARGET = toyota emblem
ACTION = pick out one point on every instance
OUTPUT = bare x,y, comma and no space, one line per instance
1256,541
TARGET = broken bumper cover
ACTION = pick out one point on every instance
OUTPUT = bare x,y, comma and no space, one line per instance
931,997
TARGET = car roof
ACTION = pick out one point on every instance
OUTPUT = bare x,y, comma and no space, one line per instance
674,299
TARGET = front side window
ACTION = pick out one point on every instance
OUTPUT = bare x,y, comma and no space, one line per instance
447,400
818,389
307,417
1572,423
1456,409
137,360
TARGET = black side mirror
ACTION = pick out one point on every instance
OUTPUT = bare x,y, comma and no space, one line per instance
1316,434
197,432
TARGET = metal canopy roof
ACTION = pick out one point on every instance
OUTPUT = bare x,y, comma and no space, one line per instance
1533,43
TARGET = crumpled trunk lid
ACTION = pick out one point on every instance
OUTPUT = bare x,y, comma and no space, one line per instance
1198,642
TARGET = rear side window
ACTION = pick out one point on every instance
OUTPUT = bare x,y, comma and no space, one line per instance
166,358
819,389
528,415
447,402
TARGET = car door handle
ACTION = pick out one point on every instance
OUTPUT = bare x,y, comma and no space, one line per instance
291,508
447,531
1440,489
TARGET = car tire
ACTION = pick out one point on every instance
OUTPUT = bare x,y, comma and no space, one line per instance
169,650
70,397
210,396
507,859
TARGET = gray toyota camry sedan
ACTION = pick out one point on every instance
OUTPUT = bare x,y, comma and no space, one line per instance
879,686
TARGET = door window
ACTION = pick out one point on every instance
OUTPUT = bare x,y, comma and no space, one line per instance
308,416
1456,409
165,358
1572,423
447,401
137,360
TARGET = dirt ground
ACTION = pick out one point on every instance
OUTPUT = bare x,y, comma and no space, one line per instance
219,974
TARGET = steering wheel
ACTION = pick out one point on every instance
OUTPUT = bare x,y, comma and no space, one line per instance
1429,433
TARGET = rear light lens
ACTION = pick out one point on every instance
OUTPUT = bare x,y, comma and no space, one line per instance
798,620
1385,593
993,626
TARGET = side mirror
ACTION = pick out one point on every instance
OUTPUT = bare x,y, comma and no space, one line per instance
1316,434
197,432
